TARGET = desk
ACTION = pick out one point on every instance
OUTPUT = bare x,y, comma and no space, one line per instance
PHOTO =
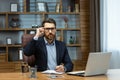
113,74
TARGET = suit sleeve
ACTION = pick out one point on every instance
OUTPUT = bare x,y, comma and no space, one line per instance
29,49
67,61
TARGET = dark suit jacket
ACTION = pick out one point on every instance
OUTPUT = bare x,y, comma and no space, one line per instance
38,47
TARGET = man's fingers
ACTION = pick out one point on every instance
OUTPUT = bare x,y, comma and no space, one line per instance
60,68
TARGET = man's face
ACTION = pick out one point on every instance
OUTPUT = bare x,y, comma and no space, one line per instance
50,31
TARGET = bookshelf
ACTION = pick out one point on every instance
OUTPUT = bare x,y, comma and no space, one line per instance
30,17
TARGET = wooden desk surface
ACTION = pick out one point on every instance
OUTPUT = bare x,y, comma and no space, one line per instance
113,74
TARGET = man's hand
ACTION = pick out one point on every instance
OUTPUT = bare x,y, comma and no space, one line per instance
39,32
60,68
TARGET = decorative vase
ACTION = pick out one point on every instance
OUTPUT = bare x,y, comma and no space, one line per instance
66,25
14,22
71,40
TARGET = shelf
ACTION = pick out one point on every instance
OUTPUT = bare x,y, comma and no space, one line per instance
2,13
72,29
70,13
12,29
10,45
55,13
73,45
3,45
19,29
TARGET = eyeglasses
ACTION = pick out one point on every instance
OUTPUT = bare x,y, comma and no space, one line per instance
47,29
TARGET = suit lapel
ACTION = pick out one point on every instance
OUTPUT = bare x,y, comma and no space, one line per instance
43,46
57,52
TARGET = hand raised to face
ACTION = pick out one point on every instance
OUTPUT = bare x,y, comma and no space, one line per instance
39,32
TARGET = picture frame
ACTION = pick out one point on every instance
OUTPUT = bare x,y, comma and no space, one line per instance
20,54
8,40
41,7
13,7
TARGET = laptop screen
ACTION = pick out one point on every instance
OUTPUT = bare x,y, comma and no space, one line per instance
98,63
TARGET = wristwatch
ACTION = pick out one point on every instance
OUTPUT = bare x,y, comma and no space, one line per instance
35,38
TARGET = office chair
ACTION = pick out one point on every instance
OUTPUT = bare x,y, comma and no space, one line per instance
30,60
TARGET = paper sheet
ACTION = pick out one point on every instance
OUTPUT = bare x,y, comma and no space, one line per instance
52,72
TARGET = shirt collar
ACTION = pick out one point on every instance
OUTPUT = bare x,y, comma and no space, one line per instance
46,42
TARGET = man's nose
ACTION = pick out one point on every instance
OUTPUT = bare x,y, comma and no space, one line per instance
50,30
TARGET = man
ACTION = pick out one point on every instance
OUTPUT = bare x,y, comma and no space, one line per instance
49,53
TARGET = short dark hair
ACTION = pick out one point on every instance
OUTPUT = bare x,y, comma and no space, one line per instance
49,20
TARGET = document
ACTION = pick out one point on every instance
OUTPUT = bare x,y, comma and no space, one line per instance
52,72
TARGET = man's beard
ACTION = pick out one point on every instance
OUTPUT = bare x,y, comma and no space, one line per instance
50,37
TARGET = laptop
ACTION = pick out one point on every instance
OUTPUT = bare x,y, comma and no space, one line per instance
97,64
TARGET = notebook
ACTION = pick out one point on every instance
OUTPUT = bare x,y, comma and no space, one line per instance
97,64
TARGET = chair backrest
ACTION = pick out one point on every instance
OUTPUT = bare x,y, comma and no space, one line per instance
28,59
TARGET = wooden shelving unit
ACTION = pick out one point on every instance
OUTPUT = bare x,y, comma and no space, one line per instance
78,28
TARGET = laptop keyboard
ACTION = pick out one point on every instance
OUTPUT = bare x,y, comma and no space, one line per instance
79,74
76,72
